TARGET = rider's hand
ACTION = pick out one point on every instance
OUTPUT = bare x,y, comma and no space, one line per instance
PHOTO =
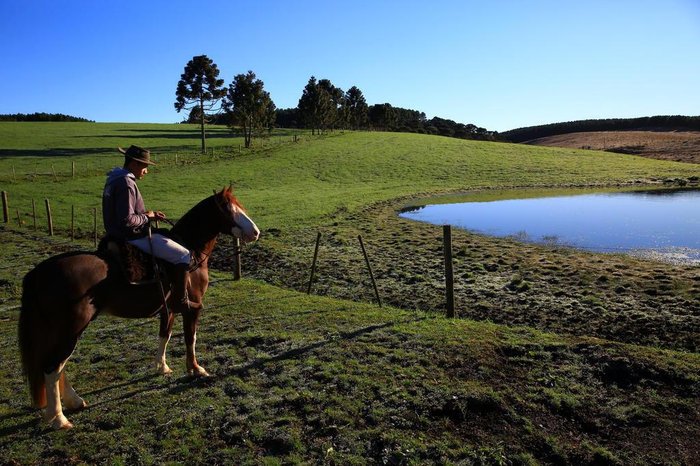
155,215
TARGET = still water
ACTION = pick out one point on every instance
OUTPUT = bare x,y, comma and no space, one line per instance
651,222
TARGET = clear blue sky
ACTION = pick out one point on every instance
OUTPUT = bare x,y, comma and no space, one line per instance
500,64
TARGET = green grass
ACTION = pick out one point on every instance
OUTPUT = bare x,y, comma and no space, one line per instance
300,378
316,379
286,185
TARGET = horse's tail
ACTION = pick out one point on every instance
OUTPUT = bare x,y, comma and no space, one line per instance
29,342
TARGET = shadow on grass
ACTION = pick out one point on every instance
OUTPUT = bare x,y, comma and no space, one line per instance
164,134
184,383
58,152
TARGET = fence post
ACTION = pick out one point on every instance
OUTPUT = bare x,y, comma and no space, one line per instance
94,224
72,222
449,276
237,260
48,216
34,213
369,268
313,264
19,219
5,208
73,169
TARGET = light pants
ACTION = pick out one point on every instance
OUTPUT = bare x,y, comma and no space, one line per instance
163,248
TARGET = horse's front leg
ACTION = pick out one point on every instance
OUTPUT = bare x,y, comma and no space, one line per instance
166,330
69,395
190,322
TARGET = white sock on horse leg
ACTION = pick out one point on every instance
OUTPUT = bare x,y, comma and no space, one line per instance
69,395
54,411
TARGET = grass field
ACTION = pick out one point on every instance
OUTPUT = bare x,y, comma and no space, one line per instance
309,379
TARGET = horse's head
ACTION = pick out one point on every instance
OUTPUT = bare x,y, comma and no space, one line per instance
235,220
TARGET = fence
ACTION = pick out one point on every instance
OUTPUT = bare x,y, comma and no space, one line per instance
95,234
71,227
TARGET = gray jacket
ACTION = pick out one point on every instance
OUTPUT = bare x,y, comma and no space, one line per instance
123,210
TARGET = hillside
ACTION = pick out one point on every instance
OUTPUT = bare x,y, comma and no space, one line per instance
681,146
559,357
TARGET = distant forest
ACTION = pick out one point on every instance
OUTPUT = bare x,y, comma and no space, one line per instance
664,122
42,117
385,117
381,117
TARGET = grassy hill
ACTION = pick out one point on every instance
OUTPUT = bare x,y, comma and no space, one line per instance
302,378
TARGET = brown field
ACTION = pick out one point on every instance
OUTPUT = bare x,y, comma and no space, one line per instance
681,146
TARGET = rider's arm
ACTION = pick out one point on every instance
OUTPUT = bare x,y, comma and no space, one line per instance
130,212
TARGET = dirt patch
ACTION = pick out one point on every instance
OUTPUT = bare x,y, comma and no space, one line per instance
681,146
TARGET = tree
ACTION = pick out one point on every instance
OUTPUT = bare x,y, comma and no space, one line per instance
200,87
355,108
249,105
332,115
382,116
319,104
287,118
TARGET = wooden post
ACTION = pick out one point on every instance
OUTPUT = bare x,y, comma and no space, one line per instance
19,219
94,224
5,208
73,169
34,213
72,222
48,216
369,268
14,175
53,169
449,276
237,259
313,264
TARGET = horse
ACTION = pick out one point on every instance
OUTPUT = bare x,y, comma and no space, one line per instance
64,293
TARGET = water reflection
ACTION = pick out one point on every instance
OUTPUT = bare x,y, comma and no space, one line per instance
647,222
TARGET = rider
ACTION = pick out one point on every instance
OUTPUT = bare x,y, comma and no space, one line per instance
125,217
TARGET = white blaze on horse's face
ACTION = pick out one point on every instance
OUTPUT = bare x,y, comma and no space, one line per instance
244,228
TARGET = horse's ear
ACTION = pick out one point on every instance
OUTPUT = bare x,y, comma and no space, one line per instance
215,193
230,186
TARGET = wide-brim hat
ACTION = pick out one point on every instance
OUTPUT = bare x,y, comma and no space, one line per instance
137,153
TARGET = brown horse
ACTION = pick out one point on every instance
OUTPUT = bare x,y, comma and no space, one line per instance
64,293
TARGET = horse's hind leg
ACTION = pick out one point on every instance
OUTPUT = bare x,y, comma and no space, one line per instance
166,329
53,414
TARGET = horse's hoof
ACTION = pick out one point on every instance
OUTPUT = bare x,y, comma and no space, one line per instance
198,372
60,422
164,369
76,404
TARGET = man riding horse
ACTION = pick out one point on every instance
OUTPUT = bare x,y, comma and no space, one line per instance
126,219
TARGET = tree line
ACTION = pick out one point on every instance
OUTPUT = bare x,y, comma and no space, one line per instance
41,116
385,117
322,107
661,122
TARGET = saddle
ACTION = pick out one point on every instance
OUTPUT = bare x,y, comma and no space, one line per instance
136,267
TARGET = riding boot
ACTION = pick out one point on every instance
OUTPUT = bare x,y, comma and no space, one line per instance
179,302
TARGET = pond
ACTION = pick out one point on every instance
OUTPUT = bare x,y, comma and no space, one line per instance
661,223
